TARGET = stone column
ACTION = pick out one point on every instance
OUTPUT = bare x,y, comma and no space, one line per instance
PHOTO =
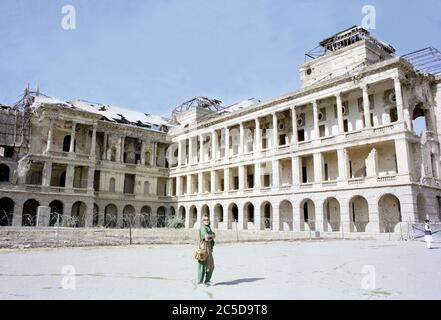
276,217
275,131
342,159
366,111
294,125
201,149
257,176
17,218
226,179
319,218
190,151
72,137
106,137
123,143
258,135
399,98
118,150
275,171
187,218
295,163
257,218
47,173
70,171
213,181
142,152
90,178
213,145
241,177
178,186
339,113
154,154
402,154
189,183
227,142
318,163
242,222
179,153
200,183
50,135
93,143
241,139
316,122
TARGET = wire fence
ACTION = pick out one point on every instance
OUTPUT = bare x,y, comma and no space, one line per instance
405,230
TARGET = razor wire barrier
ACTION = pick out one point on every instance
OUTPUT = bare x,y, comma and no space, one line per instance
5,218
418,231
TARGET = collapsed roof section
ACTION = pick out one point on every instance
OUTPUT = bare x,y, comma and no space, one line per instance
427,60
108,112
202,109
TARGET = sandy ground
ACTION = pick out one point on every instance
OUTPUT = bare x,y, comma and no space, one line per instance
332,269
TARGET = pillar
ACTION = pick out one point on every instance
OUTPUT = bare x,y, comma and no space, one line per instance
179,153
241,139
257,176
90,178
178,186
189,181
154,154
213,145
276,217
294,125
200,183
295,163
227,142
257,218
142,152
275,173
212,181
106,137
339,113
70,170
342,159
275,131
47,173
226,179
318,163
402,154
201,149
366,111
50,135
316,122
318,216
241,223
123,142
241,173
190,151
258,136
93,143
72,137
399,98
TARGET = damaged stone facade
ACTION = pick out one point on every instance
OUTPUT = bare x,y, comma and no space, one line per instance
339,155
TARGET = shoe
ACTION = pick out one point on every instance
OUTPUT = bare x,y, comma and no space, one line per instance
208,283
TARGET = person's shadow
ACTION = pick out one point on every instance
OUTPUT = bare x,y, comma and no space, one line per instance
238,281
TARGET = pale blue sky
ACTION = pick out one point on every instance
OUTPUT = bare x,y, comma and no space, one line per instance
153,55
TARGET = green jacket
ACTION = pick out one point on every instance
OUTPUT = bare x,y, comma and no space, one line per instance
204,230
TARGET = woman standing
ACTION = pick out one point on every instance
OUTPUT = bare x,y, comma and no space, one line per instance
206,267
427,234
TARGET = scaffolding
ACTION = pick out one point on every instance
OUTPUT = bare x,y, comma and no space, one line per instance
15,121
427,60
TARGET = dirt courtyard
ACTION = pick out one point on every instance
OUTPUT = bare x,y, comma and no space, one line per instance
318,269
